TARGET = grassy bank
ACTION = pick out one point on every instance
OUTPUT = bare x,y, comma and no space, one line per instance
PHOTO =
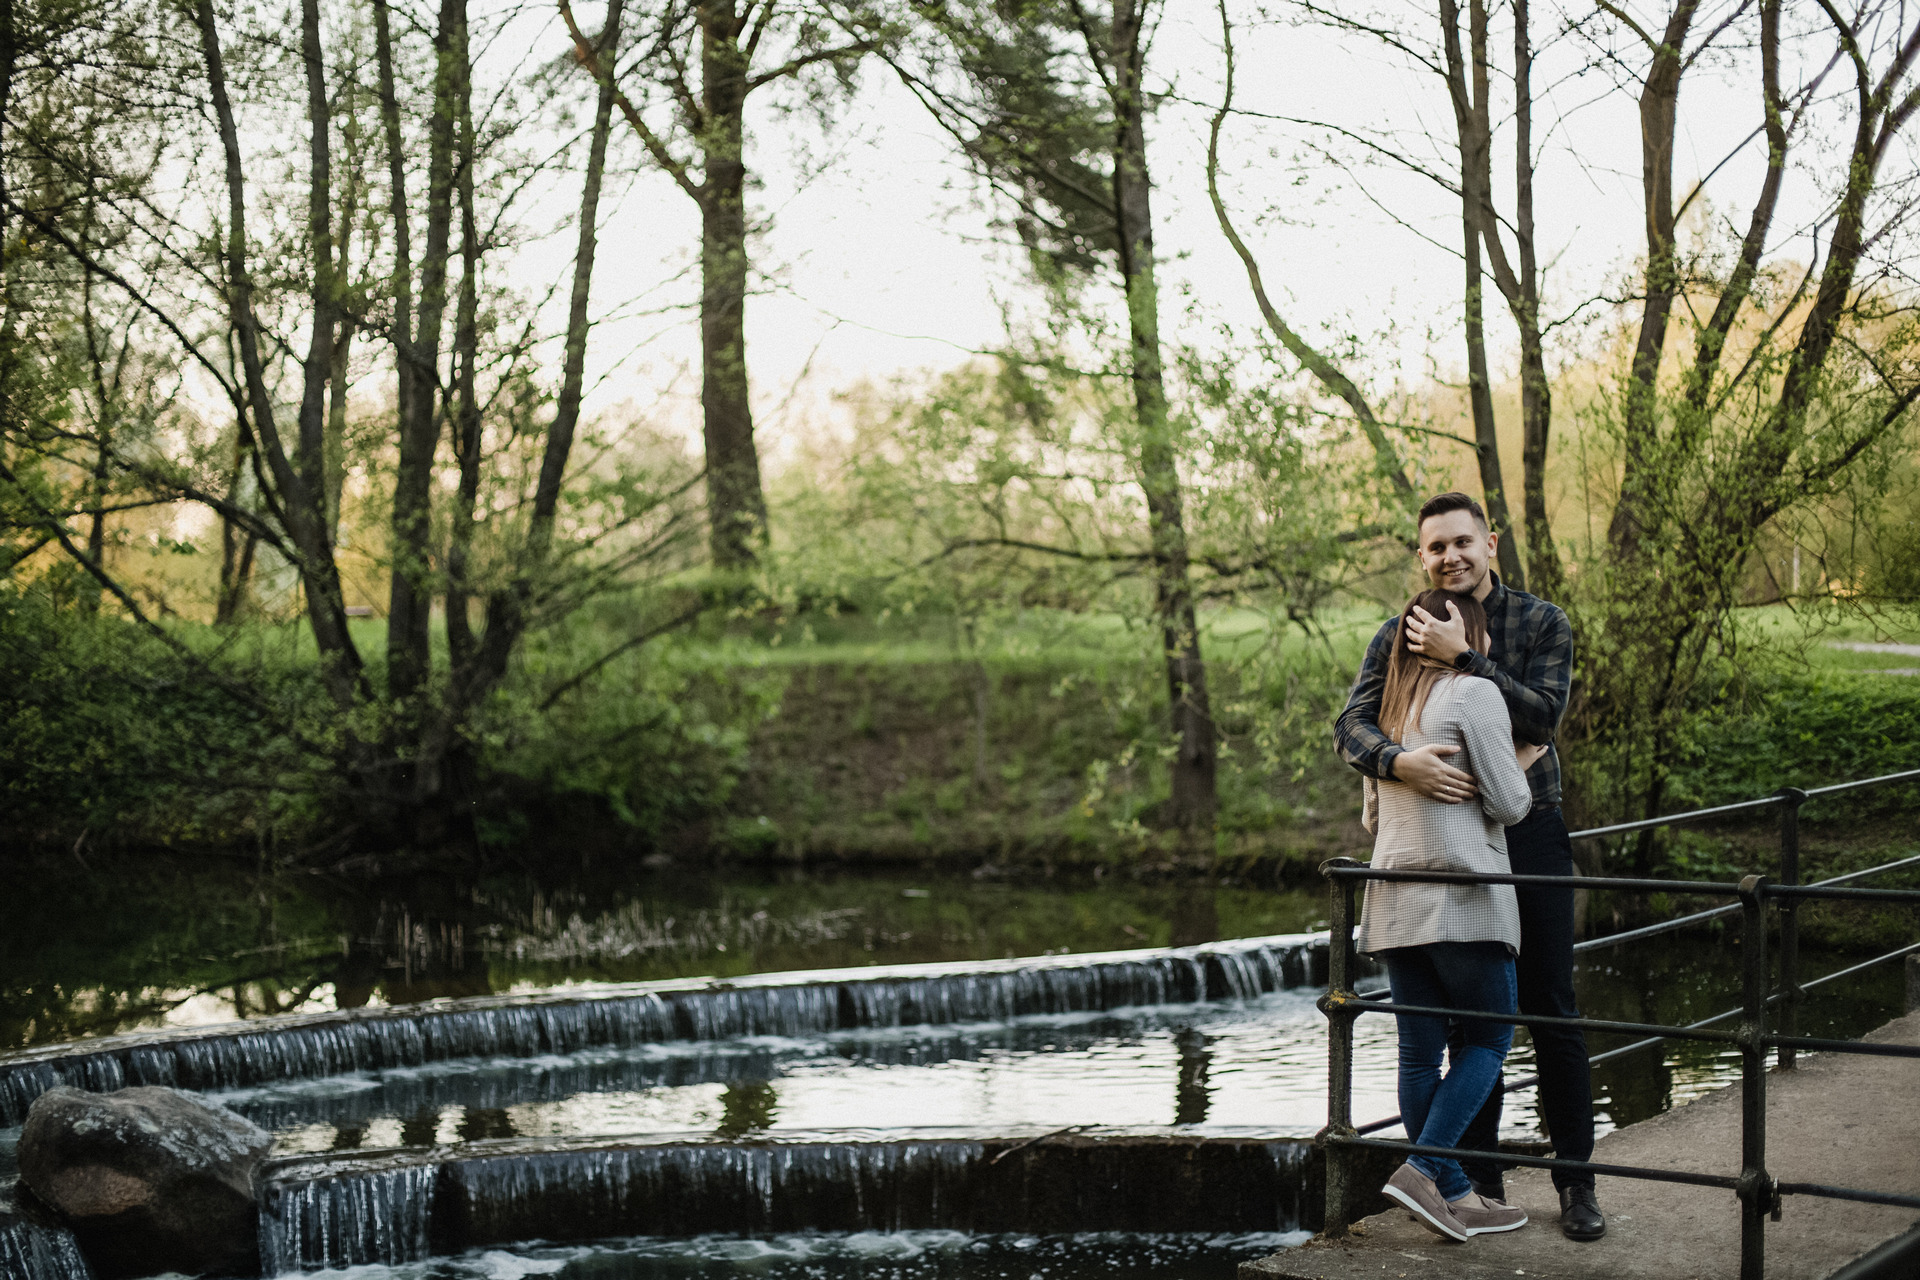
1037,739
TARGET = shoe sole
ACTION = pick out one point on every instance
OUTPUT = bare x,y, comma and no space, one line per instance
1583,1237
1455,1232
1483,1231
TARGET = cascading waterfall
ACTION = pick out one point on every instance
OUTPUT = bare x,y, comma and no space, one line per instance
1291,1161
310,1046
335,1212
33,1252
690,1190
382,1215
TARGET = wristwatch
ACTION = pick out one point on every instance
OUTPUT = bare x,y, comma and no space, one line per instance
1465,659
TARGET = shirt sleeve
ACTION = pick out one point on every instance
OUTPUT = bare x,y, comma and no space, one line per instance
1356,733
1538,698
1504,793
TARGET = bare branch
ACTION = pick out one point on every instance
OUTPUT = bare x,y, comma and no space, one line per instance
1325,370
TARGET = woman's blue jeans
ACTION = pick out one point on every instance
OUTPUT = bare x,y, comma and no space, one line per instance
1436,1110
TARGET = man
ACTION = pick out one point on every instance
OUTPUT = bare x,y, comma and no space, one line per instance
1532,664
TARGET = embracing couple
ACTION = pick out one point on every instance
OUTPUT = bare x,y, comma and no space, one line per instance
1452,721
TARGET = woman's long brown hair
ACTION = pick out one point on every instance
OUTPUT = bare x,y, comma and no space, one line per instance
1411,676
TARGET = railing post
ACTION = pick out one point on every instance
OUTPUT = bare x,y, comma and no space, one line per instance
1757,1197
1791,798
1341,963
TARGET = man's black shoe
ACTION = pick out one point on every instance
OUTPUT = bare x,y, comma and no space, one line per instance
1580,1214
1495,1190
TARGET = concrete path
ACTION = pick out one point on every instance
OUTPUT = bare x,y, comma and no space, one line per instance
1843,1120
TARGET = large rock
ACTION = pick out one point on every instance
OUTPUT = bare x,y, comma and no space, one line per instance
149,1179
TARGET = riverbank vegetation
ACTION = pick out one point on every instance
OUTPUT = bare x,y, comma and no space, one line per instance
319,544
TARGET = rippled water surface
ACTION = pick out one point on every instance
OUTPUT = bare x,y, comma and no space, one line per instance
906,1255
1253,1063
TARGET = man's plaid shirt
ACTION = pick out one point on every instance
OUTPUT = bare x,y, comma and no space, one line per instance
1531,663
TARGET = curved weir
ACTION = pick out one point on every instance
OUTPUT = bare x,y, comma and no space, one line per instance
337,1211
311,1046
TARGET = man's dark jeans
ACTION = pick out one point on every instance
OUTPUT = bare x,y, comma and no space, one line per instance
1537,845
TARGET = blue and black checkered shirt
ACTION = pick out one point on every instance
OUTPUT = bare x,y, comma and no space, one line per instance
1531,663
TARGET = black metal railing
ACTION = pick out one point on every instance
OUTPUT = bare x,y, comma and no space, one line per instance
1758,1191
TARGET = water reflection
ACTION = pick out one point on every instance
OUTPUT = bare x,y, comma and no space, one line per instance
1191,1094
174,940
746,1107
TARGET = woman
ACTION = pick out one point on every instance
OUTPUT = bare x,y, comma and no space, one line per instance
1447,945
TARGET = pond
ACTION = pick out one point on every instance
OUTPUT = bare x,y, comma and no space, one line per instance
169,943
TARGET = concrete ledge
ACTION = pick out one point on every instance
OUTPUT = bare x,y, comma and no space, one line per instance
1840,1119
403,1205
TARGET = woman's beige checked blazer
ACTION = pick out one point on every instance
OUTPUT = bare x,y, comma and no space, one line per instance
1415,833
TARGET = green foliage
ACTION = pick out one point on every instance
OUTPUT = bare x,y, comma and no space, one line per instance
105,731
1802,731
109,735
659,736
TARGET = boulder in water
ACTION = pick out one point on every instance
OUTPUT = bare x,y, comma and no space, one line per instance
149,1179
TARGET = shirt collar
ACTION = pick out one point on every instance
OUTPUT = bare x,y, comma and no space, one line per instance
1497,596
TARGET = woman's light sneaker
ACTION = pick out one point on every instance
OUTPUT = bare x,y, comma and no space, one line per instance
1480,1216
1417,1193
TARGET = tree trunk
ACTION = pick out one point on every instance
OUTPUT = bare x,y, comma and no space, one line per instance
236,545
334,449
409,652
736,506
506,609
466,409
1193,796
339,660
1712,342
9,58
400,215
324,296
1659,111
1536,393
1470,112
89,601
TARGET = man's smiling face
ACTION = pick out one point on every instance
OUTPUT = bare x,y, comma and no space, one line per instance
1456,552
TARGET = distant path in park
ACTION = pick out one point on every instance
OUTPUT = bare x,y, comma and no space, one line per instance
1840,1119
1903,650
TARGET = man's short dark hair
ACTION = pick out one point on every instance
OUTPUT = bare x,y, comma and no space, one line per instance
1441,503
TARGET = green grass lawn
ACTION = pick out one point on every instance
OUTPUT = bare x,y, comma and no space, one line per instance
1818,640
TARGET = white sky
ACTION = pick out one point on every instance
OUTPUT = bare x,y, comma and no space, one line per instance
884,264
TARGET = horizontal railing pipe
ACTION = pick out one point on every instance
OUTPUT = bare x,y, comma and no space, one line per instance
1841,895
1901,865
1587,1024
1654,930
1859,784
1721,1181
1846,1193
1868,1048
1671,819
1706,888
1864,964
